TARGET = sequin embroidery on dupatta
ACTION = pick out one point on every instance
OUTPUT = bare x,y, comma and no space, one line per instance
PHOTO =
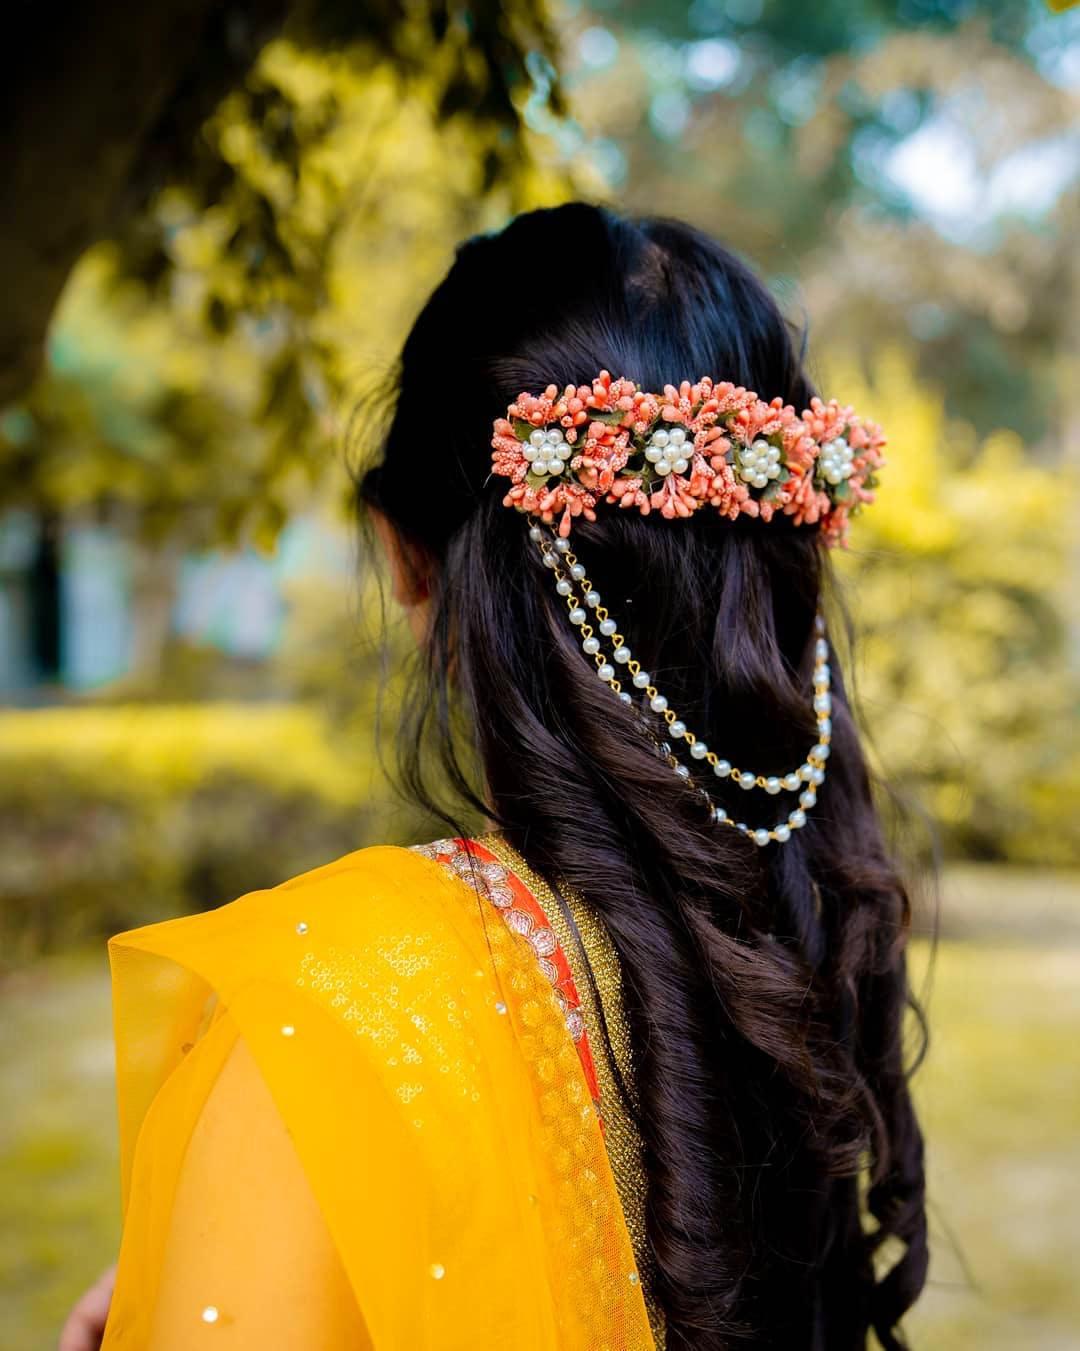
500,876
477,866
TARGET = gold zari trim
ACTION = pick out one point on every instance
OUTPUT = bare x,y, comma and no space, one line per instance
590,948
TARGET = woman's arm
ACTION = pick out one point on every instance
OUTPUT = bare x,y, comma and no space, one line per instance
86,1321
247,1250
240,1255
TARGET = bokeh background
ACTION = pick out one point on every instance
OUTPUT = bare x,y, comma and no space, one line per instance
218,222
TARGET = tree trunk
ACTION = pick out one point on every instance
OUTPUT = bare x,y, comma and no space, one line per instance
83,88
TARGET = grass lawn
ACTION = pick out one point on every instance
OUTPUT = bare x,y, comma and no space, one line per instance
1000,1102
59,1185
1000,1097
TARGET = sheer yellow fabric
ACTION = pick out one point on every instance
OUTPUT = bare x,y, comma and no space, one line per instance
352,1116
242,1190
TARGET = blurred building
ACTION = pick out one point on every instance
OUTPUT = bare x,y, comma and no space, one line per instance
83,605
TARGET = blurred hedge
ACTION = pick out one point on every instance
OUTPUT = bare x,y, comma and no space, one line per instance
110,817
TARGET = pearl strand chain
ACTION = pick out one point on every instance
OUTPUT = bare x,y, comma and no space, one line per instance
556,554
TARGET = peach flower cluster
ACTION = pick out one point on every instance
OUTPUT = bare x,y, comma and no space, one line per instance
701,445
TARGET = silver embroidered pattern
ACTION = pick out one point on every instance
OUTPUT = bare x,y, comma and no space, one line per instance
490,881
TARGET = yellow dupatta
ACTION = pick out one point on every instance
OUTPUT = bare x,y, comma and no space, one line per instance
351,1116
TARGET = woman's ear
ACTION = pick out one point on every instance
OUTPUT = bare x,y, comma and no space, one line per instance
409,577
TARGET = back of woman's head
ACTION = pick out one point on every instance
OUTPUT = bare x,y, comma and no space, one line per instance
766,987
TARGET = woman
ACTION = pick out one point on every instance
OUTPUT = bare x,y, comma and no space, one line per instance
627,1070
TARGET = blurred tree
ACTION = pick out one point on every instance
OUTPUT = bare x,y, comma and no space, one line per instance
200,366
909,170
783,131
106,105
202,363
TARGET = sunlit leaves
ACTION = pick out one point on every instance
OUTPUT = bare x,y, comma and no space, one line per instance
957,578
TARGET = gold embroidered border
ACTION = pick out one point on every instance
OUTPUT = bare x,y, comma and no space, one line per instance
596,951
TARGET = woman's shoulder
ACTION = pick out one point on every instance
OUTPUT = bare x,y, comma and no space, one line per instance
379,895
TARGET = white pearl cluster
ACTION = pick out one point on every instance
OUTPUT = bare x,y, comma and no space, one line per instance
836,461
547,451
667,451
806,780
758,463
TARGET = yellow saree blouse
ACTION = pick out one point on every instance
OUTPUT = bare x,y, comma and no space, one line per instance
374,1107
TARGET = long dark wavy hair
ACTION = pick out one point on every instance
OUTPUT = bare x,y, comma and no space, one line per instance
766,988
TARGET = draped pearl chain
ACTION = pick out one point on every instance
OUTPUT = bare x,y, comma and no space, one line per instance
584,606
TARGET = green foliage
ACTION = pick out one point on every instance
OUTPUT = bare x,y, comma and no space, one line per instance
471,60
956,578
774,126
157,128
204,394
113,817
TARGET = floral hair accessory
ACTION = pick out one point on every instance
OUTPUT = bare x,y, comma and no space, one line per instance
701,445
